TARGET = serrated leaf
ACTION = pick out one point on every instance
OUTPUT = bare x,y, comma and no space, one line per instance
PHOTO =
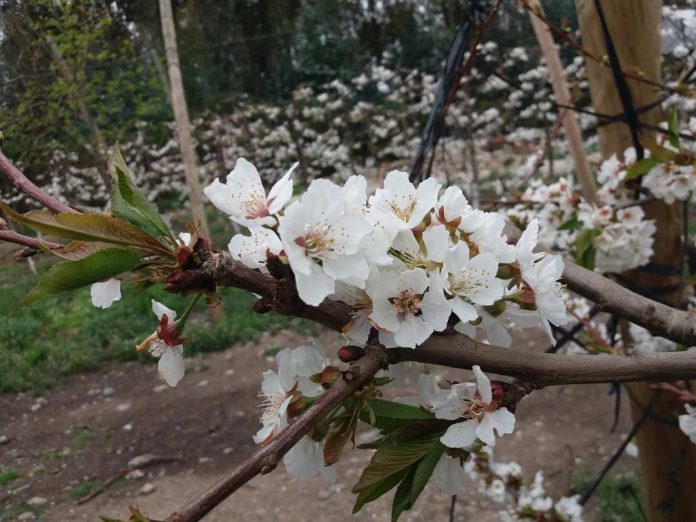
394,458
388,416
131,205
641,167
77,250
402,496
376,490
424,470
86,227
65,276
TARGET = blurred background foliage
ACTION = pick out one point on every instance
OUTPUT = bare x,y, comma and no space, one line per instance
78,75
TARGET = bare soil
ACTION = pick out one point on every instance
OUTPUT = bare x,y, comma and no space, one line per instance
93,426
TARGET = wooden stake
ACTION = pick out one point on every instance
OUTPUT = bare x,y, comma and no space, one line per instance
183,125
561,92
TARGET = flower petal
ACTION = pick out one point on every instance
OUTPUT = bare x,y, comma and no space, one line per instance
461,434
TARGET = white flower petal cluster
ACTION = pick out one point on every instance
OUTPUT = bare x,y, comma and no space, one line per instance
481,415
671,182
171,364
408,259
295,367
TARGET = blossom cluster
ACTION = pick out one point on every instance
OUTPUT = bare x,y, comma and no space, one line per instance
610,237
504,483
408,260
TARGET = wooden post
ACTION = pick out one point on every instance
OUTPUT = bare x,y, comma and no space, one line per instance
183,129
183,126
634,26
561,92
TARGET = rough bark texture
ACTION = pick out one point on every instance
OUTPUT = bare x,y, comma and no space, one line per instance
634,28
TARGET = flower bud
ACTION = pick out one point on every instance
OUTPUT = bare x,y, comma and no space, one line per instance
348,354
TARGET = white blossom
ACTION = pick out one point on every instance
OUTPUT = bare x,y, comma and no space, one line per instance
105,293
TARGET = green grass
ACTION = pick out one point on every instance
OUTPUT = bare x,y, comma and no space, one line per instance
8,475
43,343
11,513
619,496
81,490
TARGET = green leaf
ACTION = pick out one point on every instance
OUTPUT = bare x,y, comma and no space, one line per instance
99,266
641,167
388,415
585,249
77,250
131,205
572,224
424,470
376,490
402,497
86,227
393,458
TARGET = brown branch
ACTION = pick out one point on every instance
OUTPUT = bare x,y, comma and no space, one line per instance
659,319
545,369
266,458
28,187
11,236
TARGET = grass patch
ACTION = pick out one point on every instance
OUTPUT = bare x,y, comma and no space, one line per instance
12,512
7,476
43,343
619,497
81,490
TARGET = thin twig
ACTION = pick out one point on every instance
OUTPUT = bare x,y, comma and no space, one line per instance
266,458
11,236
28,187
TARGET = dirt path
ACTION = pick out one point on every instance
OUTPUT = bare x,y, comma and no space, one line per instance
70,438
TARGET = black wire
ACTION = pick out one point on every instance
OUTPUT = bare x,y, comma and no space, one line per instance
619,451
621,83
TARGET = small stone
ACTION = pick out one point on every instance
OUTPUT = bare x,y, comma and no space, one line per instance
128,427
4,439
324,494
227,451
36,501
124,406
34,407
204,382
160,388
204,460
229,372
27,515
146,489
108,391
136,474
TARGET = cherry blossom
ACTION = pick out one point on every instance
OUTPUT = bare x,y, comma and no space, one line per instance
244,199
687,422
171,364
472,402
322,242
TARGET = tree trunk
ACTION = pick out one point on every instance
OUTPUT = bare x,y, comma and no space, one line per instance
183,126
634,25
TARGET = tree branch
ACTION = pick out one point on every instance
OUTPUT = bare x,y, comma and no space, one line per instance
266,458
13,237
545,369
26,186
658,318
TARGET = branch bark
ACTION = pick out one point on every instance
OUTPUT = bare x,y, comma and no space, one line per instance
658,318
28,187
544,369
267,458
